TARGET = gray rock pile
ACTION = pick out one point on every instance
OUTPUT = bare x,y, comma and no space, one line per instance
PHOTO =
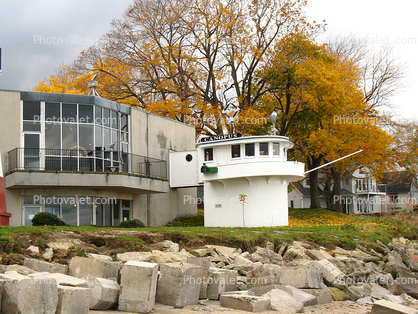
288,279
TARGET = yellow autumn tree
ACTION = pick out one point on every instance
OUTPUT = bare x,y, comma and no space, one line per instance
310,88
195,61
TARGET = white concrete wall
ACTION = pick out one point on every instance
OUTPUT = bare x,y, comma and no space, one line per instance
10,139
266,203
154,136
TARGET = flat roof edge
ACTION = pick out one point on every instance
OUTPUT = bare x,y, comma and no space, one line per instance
74,98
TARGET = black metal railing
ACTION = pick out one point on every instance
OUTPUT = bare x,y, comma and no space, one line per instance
46,159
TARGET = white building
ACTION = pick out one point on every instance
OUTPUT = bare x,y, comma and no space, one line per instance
229,166
89,160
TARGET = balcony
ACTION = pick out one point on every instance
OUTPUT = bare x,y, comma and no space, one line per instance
107,170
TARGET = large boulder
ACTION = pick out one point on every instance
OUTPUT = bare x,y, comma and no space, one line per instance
245,302
302,277
179,284
170,257
204,263
323,295
283,302
328,271
405,285
43,266
25,295
73,300
135,256
81,267
264,274
138,287
387,307
104,293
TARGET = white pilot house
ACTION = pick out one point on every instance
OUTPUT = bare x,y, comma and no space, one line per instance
231,165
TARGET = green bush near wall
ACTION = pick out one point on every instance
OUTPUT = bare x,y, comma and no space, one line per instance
131,223
47,219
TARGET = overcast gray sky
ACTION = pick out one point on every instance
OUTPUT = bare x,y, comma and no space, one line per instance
37,36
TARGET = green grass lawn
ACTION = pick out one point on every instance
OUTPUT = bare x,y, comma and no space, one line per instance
318,226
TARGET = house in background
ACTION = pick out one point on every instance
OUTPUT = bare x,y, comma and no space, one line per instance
299,195
401,190
360,194
89,160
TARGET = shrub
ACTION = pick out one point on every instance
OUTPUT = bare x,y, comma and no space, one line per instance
48,219
131,223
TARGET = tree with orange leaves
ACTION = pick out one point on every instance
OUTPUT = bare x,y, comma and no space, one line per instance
315,93
194,61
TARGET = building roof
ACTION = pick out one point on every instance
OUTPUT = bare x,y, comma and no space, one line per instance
345,192
306,191
397,181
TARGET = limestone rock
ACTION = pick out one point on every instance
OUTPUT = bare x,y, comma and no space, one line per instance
179,284
23,294
245,303
323,295
169,257
81,267
43,266
301,277
135,256
283,302
386,307
169,246
72,300
104,258
204,263
33,249
264,274
104,293
23,270
138,287
405,285
48,254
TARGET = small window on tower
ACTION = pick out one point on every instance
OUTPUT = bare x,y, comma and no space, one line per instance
208,154
235,151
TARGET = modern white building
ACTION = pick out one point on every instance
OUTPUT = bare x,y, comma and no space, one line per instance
229,166
89,160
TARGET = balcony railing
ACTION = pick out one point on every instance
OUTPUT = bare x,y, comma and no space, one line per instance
45,159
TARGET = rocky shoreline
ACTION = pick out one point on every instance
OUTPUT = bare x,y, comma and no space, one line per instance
288,278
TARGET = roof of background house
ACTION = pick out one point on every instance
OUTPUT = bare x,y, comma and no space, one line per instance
345,192
306,191
397,181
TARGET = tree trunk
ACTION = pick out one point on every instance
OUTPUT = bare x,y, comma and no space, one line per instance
337,191
328,191
314,162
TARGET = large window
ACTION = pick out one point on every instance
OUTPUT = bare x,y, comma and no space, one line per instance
77,211
76,137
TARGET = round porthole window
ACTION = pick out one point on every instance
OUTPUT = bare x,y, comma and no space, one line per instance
189,157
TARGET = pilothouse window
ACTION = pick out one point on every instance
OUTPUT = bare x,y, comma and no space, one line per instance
208,154
235,151
264,149
249,150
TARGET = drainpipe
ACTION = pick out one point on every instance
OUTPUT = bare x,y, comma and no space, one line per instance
148,196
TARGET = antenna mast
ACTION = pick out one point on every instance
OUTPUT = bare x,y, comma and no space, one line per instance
92,84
